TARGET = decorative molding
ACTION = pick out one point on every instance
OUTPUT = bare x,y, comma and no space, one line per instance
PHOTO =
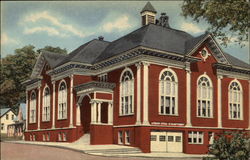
95,85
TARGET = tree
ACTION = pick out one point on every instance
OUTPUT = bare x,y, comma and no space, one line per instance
231,146
229,20
17,68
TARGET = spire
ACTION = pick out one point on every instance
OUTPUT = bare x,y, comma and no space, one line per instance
148,14
148,7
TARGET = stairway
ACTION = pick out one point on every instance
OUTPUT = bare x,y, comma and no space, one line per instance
115,151
84,140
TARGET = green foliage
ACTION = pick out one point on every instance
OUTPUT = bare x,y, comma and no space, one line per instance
229,19
17,68
231,146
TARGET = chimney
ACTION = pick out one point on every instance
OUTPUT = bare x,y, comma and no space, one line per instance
100,38
148,14
163,20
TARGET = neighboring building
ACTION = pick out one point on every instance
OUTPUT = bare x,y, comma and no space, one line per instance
17,128
156,88
7,117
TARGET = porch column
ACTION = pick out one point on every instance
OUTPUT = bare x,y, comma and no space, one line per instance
27,109
138,84
99,112
110,115
54,104
219,101
93,112
188,96
78,115
39,107
71,100
145,93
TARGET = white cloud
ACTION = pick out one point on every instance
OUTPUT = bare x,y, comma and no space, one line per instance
54,21
50,30
120,24
5,39
190,27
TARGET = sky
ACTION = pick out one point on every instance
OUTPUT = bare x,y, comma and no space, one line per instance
69,24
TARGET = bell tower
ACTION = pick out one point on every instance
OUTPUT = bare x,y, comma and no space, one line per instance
148,14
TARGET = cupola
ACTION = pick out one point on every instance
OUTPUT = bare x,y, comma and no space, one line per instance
148,14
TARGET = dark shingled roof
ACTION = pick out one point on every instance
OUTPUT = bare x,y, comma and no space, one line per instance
86,53
236,62
191,43
53,58
151,36
148,7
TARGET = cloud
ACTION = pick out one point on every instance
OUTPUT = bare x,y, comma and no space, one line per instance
50,30
5,39
190,27
120,24
62,27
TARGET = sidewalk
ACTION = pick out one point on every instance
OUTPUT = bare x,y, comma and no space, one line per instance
109,150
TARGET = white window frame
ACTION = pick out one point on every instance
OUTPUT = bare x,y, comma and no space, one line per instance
120,137
235,97
173,105
46,105
126,91
195,135
32,116
204,94
127,137
62,101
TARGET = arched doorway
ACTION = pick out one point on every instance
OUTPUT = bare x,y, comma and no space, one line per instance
85,113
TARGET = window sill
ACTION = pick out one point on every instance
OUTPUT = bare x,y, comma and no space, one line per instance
205,117
32,122
45,121
132,114
235,119
174,115
197,143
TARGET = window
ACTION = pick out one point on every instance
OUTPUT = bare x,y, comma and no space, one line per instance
120,137
34,137
178,139
46,104
48,137
235,101
33,107
12,117
170,138
162,138
153,138
2,126
7,116
59,136
168,88
31,137
44,137
211,137
64,136
103,77
127,137
62,101
204,97
195,137
127,93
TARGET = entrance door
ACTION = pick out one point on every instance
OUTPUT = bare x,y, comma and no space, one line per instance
86,114
174,142
158,142
166,141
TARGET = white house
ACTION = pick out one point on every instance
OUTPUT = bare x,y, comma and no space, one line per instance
7,117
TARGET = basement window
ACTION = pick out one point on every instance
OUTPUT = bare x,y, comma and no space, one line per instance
120,138
127,137
195,137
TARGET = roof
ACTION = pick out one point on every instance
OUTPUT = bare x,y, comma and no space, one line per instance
3,111
53,58
148,7
23,111
191,43
86,53
236,62
151,36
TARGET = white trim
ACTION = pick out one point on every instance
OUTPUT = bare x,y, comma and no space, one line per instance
33,106
162,92
145,92
78,115
45,104
39,107
219,101
195,135
238,104
138,94
54,104
71,100
27,104
110,113
99,112
188,96
208,99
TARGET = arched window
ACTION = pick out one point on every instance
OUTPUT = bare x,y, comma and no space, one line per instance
33,107
168,88
235,100
62,101
46,104
127,93
204,97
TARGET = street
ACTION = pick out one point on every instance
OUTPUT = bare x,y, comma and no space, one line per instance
11,151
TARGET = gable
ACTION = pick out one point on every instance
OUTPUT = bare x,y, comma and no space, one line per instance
211,45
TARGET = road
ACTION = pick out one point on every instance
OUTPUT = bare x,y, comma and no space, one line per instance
11,151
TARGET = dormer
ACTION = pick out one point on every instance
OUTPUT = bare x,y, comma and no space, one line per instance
148,14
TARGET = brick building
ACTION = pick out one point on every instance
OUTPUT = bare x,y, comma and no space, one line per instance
156,88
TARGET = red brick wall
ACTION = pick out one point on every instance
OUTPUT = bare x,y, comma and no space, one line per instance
198,69
97,134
